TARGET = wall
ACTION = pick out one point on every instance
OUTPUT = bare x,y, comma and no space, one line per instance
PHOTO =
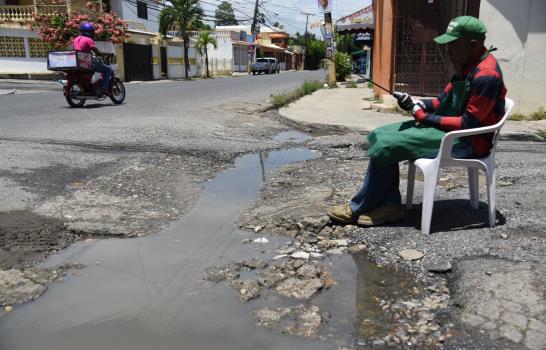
156,62
175,66
175,61
221,58
27,64
383,45
127,10
518,30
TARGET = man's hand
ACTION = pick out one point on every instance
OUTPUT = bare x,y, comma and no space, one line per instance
418,113
404,100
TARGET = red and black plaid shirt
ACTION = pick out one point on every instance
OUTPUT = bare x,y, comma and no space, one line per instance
485,104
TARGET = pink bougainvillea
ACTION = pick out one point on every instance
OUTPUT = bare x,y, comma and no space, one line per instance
57,27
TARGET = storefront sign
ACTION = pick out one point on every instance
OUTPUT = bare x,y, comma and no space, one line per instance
325,5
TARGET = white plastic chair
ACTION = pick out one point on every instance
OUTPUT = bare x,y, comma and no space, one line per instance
431,169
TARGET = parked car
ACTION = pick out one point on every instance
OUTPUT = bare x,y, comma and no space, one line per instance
267,65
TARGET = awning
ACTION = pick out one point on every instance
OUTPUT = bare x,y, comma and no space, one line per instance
271,47
354,28
358,22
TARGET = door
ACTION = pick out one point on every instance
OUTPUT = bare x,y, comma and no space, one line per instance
138,61
421,66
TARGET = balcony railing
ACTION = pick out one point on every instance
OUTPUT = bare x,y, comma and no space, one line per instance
16,13
25,13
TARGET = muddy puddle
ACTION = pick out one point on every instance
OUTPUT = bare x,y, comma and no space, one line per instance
149,292
291,136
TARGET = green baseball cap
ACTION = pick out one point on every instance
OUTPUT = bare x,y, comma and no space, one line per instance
462,27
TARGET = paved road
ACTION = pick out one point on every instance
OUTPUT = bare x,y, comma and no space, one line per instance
163,112
46,144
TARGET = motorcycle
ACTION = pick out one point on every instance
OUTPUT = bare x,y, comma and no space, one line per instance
83,85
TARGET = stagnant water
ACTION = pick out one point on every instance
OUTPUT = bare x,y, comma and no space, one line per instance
148,293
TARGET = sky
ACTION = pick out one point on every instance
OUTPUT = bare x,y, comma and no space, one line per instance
288,12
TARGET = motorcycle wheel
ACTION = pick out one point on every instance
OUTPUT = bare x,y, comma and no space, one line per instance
75,89
118,91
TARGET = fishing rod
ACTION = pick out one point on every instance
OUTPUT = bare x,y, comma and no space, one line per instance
395,94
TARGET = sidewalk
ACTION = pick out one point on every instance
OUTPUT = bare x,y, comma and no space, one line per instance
9,85
349,109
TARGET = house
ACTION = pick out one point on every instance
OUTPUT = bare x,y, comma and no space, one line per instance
273,42
405,57
23,54
232,52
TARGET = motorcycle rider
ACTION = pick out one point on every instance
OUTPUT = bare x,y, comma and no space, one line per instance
85,43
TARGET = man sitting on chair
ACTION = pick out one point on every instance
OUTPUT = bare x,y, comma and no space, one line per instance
473,98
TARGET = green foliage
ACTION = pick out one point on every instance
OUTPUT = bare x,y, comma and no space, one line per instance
184,16
224,15
345,43
542,133
343,65
316,52
351,85
205,39
538,115
278,25
307,88
316,49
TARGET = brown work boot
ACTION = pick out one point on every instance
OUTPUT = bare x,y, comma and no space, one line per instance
382,214
342,214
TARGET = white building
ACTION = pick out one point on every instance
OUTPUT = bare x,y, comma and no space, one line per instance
23,53
231,54
518,29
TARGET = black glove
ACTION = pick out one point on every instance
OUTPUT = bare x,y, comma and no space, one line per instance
404,100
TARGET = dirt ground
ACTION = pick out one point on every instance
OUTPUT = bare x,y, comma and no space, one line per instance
483,287
487,284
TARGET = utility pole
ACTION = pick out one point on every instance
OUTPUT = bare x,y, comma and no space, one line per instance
253,34
307,14
329,37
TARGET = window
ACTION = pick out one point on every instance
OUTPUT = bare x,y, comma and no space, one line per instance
142,10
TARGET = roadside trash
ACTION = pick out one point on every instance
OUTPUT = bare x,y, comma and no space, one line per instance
301,255
258,228
262,240
8,308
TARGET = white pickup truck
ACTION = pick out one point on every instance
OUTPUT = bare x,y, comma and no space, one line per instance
267,65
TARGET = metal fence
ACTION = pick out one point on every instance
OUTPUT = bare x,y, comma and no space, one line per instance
421,66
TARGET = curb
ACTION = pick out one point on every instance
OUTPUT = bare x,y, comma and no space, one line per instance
324,128
318,127
42,86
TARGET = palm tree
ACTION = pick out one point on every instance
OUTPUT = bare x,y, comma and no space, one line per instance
184,15
206,39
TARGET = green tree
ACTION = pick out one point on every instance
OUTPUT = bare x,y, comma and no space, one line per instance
184,16
346,43
343,65
278,25
316,52
206,39
224,15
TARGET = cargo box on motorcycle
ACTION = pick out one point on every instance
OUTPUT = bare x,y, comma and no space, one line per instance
69,61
